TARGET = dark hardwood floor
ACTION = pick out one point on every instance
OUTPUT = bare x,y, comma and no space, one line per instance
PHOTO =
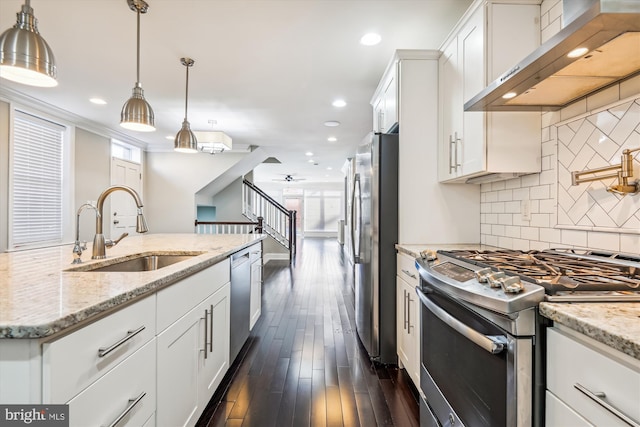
303,364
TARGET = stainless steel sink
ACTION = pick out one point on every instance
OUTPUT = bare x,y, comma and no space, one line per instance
143,262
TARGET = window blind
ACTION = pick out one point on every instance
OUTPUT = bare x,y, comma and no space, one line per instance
37,178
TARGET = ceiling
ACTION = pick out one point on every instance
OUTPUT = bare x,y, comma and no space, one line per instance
266,71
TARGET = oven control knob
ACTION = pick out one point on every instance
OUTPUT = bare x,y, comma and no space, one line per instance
429,255
482,275
494,279
512,285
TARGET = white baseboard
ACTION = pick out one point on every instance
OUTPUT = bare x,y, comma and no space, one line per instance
274,256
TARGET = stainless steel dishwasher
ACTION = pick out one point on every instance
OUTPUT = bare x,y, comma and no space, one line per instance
240,301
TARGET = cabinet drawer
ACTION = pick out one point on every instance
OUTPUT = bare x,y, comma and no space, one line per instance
558,414
255,252
177,299
73,362
572,364
407,269
131,385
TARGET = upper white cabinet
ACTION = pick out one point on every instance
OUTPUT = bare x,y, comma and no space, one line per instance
427,210
490,38
385,104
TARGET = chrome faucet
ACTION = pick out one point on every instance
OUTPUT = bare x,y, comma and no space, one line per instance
78,247
99,243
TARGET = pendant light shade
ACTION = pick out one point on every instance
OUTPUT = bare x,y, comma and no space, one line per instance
25,57
186,141
136,113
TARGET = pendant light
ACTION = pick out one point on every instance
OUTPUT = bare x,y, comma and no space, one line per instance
25,57
137,113
186,141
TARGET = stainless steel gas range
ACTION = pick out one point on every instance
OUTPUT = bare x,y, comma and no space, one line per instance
482,341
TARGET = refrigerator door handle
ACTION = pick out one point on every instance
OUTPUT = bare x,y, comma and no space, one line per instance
356,256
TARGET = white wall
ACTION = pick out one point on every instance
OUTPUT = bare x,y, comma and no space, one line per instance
171,182
502,223
228,202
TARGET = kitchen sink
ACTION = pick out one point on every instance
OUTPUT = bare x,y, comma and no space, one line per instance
142,262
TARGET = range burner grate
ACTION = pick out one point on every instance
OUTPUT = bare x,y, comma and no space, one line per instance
562,270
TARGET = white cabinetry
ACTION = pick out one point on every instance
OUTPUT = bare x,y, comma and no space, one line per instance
427,210
193,352
385,105
491,37
588,383
255,303
408,317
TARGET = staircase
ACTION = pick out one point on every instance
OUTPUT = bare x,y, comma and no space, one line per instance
278,222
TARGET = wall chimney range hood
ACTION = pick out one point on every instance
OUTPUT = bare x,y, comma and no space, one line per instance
608,31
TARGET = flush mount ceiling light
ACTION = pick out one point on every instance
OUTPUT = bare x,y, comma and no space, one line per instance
25,57
213,142
332,139
308,153
186,141
137,113
331,123
370,39
339,103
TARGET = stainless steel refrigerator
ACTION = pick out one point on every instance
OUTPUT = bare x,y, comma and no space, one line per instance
374,233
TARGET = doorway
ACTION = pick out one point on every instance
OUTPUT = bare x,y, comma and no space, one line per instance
296,204
123,208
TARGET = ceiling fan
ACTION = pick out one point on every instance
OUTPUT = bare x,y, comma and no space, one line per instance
289,178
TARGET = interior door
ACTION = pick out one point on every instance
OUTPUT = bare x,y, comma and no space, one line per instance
123,208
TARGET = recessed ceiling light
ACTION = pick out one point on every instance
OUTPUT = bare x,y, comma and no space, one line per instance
370,39
308,153
98,101
311,161
332,139
170,137
339,103
576,53
329,168
331,123
509,95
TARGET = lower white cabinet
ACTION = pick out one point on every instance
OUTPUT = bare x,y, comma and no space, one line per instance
408,318
125,396
589,384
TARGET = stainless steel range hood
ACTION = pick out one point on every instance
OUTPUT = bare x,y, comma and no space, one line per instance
548,79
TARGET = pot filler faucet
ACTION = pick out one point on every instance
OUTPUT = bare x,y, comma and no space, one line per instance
99,243
623,172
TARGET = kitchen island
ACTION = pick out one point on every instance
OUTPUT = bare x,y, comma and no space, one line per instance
150,347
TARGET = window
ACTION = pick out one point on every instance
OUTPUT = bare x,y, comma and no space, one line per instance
39,182
322,210
124,151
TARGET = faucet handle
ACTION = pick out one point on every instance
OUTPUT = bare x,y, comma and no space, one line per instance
109,243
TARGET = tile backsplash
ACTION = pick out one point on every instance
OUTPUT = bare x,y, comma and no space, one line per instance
588,133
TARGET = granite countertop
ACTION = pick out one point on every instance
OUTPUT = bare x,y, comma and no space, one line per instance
616,325
39,297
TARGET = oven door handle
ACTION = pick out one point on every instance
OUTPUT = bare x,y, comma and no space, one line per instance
494,344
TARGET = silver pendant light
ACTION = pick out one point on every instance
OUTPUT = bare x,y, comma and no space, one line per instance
186,141
136,113
25,57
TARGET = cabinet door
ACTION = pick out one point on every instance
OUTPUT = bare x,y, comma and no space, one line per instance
378,113
407,328
472,61
179,348
256,292
211,369
413,334
451,113
390,104
401,322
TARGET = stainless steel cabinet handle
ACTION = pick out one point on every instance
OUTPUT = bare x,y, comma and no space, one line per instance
409,313
598,397
211,329
206,331
408,273
130,406
451,148
103,351
456,140
493,344
404,309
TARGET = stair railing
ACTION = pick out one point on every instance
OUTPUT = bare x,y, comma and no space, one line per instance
279,222
230,227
